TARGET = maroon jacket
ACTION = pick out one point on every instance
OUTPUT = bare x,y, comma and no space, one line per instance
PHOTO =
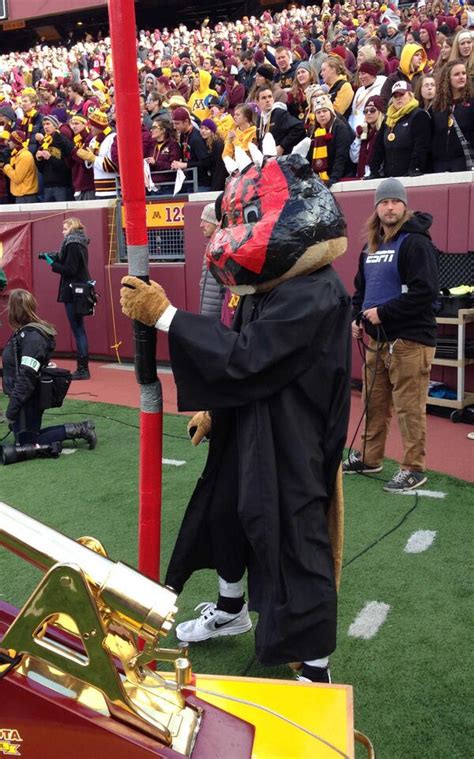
168,152
82,177
366,151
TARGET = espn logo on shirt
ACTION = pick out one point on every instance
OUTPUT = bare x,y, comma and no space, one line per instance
384,257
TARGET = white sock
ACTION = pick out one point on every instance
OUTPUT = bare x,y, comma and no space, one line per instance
323,663
231,589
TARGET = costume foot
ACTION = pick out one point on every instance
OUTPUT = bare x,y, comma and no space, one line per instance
213,623
309,674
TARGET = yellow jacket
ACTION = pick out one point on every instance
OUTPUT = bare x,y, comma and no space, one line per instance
344,97
242,139
224,125
22,174
196,102
408,51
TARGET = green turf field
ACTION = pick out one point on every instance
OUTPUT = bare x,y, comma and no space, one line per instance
411,680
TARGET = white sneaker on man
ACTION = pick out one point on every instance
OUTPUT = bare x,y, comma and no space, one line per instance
213,623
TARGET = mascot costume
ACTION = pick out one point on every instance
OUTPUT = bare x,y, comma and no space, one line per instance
276,389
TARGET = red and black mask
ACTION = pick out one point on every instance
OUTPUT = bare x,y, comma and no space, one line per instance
270,217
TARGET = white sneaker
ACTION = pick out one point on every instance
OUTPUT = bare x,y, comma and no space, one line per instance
212,623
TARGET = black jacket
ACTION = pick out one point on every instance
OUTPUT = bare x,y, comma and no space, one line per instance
339,162
72,264
446,148
34,346
247,78
286,130
407,154
410,316
287,78
56,170
218,171
194,151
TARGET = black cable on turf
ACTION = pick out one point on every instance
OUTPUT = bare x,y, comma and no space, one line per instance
5,436
385,534
368,394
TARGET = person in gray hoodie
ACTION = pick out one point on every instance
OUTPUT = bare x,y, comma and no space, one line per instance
211,292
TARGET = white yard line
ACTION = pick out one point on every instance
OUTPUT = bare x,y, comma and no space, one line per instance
173,462
368,621
420,541
425,493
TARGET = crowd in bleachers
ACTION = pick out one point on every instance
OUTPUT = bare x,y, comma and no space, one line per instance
380,91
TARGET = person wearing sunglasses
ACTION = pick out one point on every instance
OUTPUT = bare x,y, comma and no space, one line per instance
403,141
362,148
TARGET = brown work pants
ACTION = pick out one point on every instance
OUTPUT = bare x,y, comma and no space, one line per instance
397,378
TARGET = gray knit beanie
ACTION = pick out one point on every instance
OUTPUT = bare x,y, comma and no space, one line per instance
304,65
390,189
209,214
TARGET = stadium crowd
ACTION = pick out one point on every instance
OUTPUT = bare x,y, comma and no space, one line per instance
379,90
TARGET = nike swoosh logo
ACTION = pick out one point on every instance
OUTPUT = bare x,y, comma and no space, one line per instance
222,624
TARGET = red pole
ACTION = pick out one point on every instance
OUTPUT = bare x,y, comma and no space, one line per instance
127,109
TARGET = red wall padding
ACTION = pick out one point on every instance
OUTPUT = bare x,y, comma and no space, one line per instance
452,207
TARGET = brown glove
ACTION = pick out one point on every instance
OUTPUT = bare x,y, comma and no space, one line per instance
141,301
86,155
199,427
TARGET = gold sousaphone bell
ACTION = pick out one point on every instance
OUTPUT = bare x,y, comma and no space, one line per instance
79,633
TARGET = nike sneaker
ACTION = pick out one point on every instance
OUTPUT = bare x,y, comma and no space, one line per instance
213,623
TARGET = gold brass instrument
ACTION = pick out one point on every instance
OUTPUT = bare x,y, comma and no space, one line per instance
79,632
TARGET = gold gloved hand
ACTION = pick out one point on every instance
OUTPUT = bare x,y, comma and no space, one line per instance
199,427
86,155
141,301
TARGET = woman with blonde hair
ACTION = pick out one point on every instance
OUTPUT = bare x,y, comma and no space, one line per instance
26,353
443,58
335,75
463,49
71,263
362,148
244,133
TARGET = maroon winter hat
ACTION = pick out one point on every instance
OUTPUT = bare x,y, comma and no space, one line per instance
18,137
340,51
369,68
164,80
377,102
181,114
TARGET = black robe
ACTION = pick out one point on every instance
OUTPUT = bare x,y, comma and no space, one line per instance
278,385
